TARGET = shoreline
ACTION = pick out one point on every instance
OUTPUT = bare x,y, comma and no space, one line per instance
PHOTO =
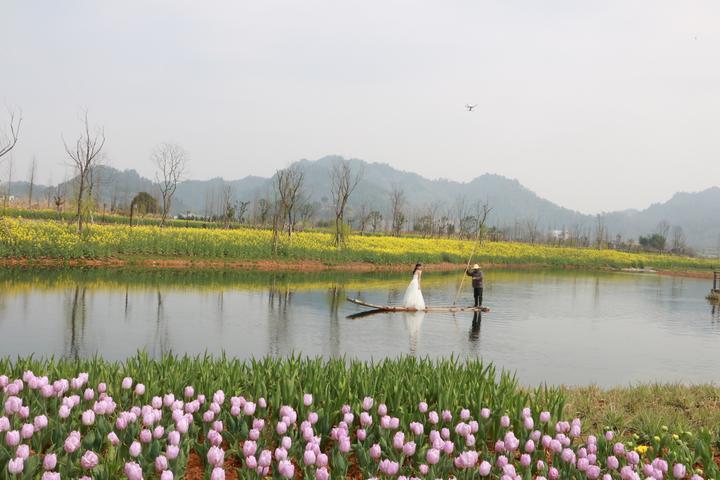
313,266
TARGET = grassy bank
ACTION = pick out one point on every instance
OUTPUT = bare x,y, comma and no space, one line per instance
363,419
54,240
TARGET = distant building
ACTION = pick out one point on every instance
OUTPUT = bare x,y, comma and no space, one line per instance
560,235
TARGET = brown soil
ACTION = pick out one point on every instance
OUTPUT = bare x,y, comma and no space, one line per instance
195,468
294,265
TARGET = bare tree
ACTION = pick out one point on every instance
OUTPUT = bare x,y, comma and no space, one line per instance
261,211
363,217
31,180
9,140
58,197
678,239
397,209
376,219
8,186
84,155
228,205
307,211
663,229
49,191
601,232
242,210
460,210
288,185
169,158
342,184
532,232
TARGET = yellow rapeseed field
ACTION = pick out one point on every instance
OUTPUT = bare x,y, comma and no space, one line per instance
48,239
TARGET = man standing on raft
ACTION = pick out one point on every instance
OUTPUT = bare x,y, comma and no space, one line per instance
477,283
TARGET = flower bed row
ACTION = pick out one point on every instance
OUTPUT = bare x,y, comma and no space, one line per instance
93,426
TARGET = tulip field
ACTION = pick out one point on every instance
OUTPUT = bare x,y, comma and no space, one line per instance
35,239
214,417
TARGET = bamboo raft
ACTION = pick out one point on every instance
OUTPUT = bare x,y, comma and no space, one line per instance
390,308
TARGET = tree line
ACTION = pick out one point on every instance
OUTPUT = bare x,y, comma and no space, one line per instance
287,207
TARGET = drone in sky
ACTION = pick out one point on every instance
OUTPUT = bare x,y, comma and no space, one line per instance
470,107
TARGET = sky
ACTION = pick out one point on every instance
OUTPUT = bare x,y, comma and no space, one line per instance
594,105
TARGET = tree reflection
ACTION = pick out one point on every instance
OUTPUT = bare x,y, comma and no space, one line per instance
280,299
76,318
336,296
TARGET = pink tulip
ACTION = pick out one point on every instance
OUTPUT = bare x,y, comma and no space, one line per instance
23,451
309,457
135,449
344,446
446,416
174,438
133,471
172,451
286,469
307,399
322,474
88,417
389,467
485,468
249,409
72,442
126,384
416,428
216,456
89,460
398,440
679,470
50,461
161,463
16,466
217,474
27,430
432,456
375,451
167,475
39,422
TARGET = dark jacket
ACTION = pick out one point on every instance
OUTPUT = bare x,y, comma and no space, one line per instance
477,278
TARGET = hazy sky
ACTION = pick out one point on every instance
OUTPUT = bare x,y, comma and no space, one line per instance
595,105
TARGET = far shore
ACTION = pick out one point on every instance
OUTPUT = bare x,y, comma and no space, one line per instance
315,266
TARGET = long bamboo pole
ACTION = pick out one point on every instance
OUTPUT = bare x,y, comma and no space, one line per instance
467,267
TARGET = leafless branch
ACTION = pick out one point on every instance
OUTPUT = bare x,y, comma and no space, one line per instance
84,155
170,160
8,141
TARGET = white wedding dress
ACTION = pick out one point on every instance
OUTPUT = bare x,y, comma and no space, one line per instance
413,296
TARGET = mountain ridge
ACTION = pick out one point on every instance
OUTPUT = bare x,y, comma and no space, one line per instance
514,205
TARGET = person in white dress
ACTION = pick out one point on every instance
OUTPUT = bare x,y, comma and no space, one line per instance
413,298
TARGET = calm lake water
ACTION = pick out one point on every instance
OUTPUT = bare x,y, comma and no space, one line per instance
556,327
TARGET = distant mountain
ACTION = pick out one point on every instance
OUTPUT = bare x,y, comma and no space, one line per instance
696,213
512,203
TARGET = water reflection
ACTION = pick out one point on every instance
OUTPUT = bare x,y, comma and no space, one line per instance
595,320
475,327
413,323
